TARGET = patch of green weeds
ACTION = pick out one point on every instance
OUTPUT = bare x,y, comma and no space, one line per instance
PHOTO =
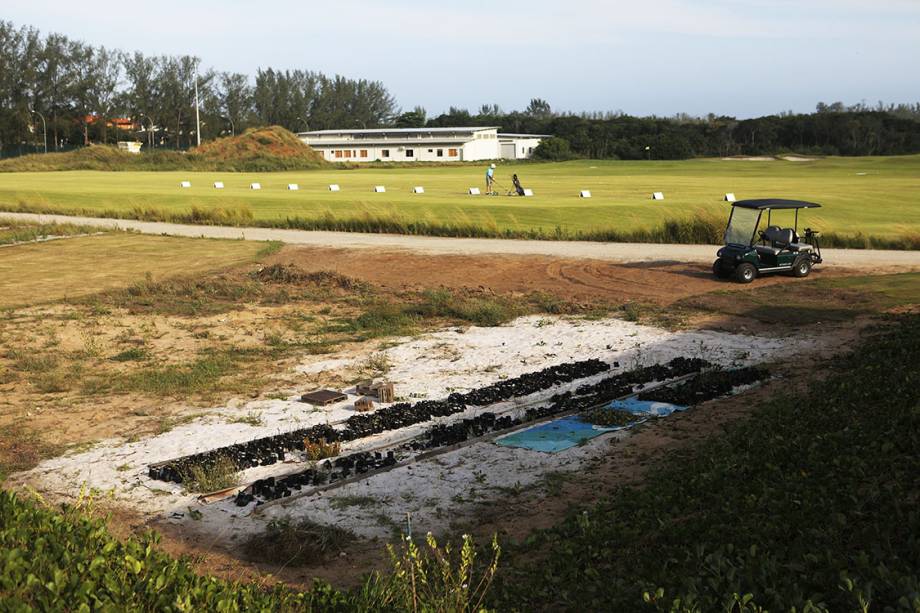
297,543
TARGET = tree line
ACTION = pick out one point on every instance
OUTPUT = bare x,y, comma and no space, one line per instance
833,129
76,93
58,93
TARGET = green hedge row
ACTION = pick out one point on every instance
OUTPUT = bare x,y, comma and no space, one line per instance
813,504
67,560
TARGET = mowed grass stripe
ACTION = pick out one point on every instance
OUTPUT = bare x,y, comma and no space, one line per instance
883,202
45,272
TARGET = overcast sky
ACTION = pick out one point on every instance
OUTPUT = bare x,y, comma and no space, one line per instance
737,57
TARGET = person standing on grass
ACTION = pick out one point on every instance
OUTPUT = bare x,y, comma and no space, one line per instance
490,180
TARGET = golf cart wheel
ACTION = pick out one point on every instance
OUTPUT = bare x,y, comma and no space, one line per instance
745,272
801,268
719,270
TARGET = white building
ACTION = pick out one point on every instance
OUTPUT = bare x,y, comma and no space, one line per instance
420,144
519,146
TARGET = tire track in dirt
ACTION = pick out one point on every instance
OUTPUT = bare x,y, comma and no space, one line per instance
568,279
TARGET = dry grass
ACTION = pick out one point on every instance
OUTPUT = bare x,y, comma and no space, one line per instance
320,450
33,273
289,543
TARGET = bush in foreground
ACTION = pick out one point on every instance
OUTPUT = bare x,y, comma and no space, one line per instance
66,560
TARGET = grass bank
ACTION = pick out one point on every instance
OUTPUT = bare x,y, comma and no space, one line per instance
810,505
12,232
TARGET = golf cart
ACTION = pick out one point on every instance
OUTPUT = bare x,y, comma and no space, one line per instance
748,253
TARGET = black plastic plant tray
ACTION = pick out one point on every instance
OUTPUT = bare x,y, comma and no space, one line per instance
269,450
446,435
706,386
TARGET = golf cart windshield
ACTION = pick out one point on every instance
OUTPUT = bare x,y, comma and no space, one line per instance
741,226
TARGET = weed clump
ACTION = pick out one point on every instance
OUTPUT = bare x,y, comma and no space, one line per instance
320,449
287,542
210,477
293,275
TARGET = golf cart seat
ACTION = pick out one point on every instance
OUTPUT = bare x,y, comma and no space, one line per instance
783,238
779,239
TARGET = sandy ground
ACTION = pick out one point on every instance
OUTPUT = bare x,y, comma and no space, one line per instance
617,252
438,494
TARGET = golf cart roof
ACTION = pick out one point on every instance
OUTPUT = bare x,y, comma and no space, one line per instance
775,203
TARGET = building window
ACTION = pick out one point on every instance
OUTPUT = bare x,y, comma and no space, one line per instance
410,153
452,153
364,153
348,153
431,151
385,153
440,153
338,153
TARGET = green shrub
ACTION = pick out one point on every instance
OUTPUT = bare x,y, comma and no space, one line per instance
67,560
555,148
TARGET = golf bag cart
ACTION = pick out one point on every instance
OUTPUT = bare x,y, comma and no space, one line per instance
518,188
748,253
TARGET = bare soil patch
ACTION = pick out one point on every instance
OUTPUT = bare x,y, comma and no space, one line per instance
580,280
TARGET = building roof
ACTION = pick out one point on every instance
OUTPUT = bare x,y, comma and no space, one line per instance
775,203
380,142
510,135
403,131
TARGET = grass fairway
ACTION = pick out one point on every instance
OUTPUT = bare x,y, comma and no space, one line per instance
877,196
49,271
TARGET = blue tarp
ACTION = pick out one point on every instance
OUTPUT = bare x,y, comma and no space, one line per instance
567,432
552,436
646,407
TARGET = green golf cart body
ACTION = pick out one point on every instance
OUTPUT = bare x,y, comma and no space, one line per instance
749,253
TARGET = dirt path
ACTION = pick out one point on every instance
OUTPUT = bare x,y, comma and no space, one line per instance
432,245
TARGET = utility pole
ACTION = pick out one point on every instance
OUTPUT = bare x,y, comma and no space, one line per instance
149,130
44,127
197,119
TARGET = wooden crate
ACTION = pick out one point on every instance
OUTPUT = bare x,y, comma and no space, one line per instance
321,398
365,388
384,391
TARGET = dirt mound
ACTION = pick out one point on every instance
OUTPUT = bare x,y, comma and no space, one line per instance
257,149
93,157
292,275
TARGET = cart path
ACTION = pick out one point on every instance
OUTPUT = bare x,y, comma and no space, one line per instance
435,245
